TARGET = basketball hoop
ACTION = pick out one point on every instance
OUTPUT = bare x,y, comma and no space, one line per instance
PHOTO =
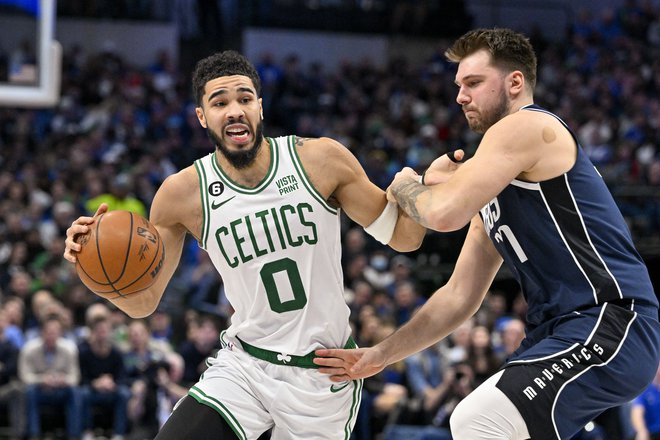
46,91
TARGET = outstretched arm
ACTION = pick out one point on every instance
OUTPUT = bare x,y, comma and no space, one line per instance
337,174
447,308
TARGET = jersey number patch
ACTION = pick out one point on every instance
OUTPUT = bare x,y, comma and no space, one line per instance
285,271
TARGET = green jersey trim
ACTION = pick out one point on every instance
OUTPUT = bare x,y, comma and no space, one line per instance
203,184
274,159
297,163
215,404
357,396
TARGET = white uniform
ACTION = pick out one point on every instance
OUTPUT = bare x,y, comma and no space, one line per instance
278,249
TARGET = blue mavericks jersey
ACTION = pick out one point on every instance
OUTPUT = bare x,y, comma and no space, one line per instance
566,242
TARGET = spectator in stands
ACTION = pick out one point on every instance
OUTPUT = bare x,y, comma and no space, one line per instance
119,197
406,301
13,310
169,379
203,341
48,366
12,393
103,378
481,356
142,364
512,334
645,412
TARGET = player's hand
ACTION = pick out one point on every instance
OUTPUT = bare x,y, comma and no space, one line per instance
443,167
79,226
349,364
405,175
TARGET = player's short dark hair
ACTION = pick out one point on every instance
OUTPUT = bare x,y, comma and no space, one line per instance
225,63
509,50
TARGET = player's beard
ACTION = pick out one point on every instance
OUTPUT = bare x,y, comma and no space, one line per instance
489,117
242,158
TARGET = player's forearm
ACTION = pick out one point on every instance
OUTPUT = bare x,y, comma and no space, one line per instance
408,234
422,203
441,314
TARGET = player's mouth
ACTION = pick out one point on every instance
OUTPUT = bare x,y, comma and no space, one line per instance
238,133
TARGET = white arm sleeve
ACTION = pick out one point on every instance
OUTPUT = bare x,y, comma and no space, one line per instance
382,228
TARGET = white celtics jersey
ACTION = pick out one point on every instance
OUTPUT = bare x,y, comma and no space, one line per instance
278,249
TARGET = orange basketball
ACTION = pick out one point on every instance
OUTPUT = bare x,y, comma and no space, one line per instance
121,255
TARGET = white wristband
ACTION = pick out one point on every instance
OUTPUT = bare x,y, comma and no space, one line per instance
382,228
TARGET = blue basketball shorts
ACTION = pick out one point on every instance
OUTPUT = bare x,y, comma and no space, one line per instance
569,370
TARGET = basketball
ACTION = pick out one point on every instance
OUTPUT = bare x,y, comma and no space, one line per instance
121,255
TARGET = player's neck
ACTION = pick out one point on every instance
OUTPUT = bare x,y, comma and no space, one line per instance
522,101
251,175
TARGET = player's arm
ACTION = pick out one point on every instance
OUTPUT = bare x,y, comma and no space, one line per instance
447,308
168,205
365,203
505,152
172,233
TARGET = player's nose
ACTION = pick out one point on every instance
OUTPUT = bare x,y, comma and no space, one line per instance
462,98
234,110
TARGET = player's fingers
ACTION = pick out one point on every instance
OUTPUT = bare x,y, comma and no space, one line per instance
456,156
330,353
329,362
83,220
333,372
69,256
340,378
103,207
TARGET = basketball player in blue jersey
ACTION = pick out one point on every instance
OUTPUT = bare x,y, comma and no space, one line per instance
267,212
534,201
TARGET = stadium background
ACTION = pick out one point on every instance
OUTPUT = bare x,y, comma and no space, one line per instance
369,73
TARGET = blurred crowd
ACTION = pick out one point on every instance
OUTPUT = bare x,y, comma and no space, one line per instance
120,130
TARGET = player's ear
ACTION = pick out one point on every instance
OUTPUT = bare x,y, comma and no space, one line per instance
200,116
261,109
516,82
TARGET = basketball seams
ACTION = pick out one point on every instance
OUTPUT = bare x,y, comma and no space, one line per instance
98,251
147,270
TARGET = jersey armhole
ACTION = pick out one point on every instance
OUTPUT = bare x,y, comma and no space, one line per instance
203,183
297,163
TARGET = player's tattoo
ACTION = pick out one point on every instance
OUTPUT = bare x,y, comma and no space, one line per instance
406,194
301,140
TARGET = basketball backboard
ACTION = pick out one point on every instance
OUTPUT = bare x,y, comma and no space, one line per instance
30,58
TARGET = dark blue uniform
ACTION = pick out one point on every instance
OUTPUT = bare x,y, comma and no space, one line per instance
593,335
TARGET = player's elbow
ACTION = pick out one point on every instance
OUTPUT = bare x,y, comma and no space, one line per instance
138,314
407,245
134,308
447,217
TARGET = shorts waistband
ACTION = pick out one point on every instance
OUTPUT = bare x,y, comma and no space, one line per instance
636,306
289,360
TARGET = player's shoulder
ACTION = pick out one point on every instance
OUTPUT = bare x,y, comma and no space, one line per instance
179,188
182,182
530,119
323,149
523,127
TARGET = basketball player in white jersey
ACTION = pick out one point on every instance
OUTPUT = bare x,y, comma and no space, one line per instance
267,212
